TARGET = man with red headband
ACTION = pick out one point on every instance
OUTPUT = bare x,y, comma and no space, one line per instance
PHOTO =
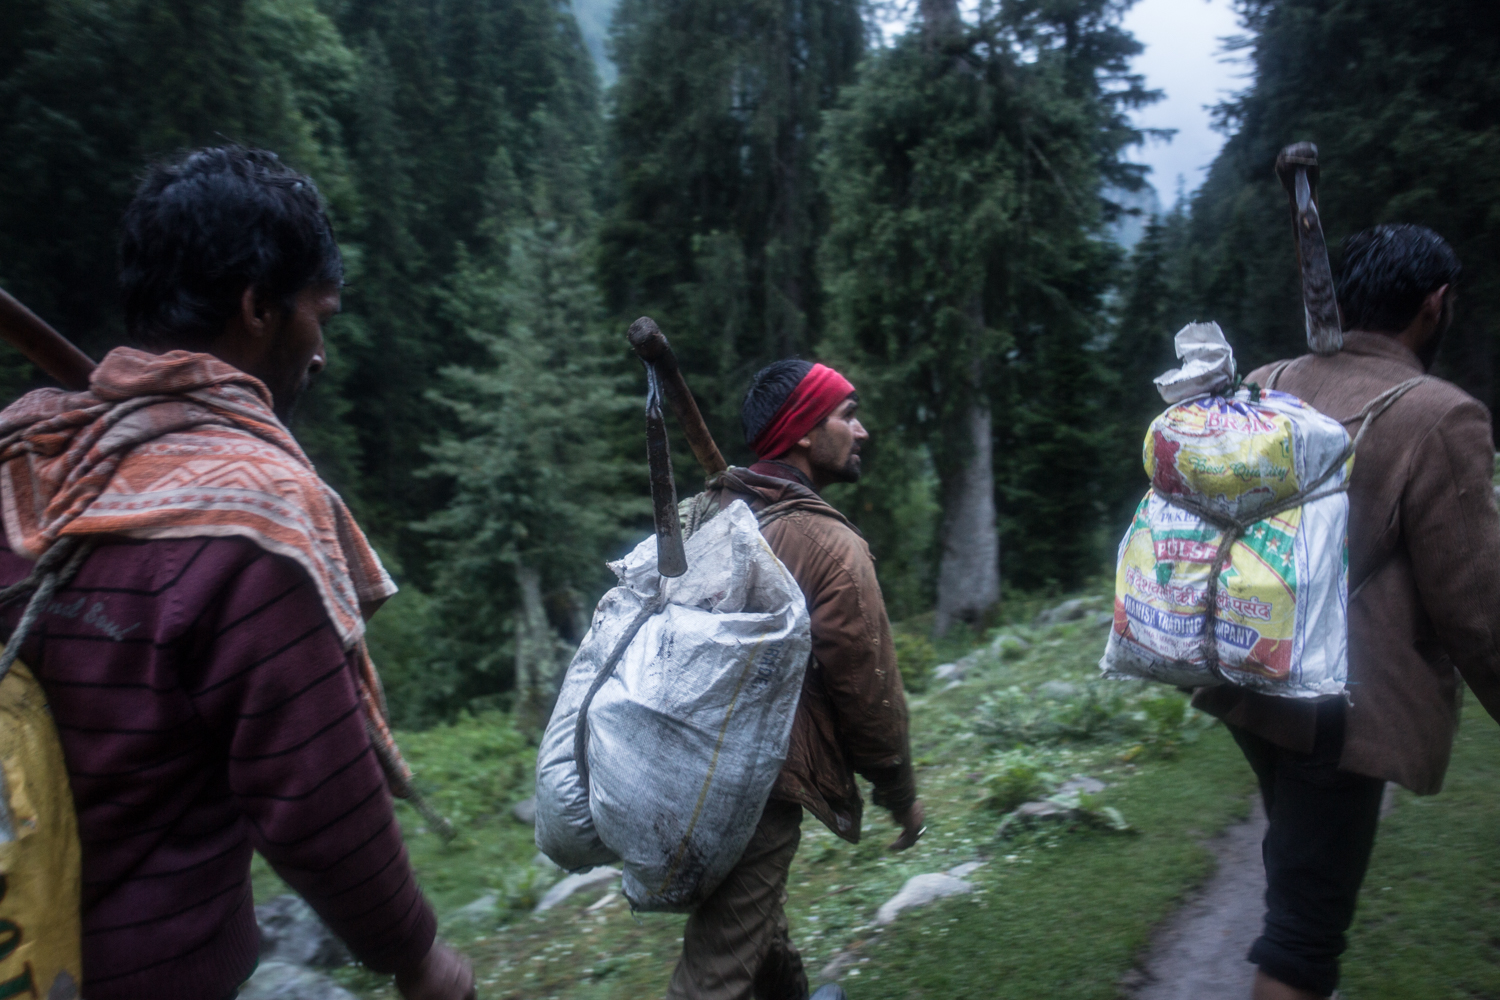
800,421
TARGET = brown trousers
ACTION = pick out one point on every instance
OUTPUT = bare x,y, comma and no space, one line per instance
736,946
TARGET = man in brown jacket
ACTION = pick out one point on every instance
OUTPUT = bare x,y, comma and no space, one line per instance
1424,607
799,418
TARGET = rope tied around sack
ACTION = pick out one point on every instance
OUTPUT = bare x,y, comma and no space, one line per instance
1234,528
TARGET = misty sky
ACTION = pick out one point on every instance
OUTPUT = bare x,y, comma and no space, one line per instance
1183,57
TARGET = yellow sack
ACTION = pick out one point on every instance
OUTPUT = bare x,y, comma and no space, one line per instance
39,874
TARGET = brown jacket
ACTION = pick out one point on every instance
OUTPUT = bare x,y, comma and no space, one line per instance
1424,568
852,716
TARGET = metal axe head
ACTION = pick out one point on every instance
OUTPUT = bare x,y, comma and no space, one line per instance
1297,168
671,558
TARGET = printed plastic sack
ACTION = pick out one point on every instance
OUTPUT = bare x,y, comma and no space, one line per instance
689,728
39,862
1279,619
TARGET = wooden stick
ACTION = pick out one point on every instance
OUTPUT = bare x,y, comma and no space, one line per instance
45,347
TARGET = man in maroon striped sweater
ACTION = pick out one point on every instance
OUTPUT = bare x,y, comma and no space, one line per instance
207,702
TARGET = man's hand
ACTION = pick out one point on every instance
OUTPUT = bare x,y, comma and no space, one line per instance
443,974
912,827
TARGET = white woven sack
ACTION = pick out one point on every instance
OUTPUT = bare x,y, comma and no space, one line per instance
688,731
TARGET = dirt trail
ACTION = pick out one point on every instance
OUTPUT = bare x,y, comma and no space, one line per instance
1200,950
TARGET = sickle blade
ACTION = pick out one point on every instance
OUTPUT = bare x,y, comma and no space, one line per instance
1297,167
671,560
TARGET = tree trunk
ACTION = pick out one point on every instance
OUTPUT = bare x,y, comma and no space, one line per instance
969,571
969,574
536,656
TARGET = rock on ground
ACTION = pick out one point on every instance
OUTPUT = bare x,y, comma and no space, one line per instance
284,981
924,889
1200,950
1059,690
291,932
920,890
481,909
1081,783
1042,809
573,883
1067,611
525,811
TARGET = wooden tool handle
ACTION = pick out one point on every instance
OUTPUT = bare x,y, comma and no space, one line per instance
45,347
650,345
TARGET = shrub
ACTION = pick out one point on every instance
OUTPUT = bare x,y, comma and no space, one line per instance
916,657
1052,714
1017,779
1164,723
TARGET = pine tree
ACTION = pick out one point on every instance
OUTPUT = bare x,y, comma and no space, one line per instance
453,97
716,116
542,492
1151,307
89,92
966,275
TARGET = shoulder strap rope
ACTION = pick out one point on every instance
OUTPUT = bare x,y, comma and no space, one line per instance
606,670
1276,372
56,568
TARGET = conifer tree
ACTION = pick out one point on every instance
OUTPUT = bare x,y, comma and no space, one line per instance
452,96
1152,304
966,277
716,115
542,491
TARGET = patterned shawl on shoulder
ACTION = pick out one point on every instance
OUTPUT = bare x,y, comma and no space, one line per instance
182,445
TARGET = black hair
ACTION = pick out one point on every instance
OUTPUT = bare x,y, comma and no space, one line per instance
768,392
1387,273
207,225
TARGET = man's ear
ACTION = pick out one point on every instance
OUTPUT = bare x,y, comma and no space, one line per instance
258,315
1432,306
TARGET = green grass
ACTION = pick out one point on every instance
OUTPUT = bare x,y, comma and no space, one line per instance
1070,919
1060,912
1429,917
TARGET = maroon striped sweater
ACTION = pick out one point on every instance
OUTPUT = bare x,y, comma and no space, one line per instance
206,708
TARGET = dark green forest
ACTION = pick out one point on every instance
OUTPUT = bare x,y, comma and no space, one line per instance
764,178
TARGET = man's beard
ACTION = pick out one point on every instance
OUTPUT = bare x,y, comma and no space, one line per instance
849,472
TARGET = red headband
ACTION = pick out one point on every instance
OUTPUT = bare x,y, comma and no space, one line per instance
818,394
